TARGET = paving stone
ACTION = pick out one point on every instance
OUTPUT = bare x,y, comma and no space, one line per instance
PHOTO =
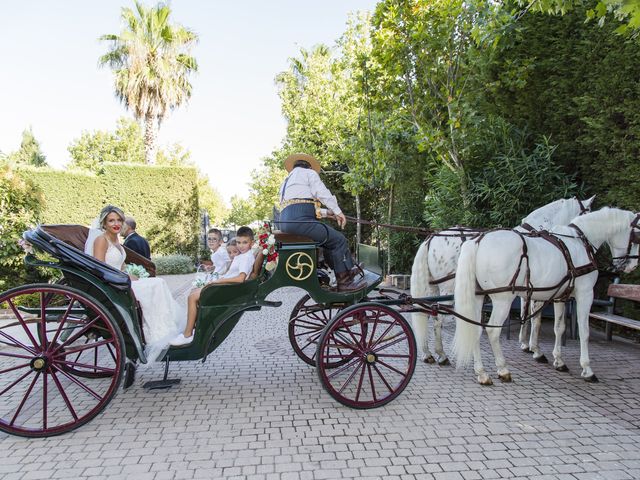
255,411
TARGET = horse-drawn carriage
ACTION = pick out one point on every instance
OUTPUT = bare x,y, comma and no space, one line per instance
66,347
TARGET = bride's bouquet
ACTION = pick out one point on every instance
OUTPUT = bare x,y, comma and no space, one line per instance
136,270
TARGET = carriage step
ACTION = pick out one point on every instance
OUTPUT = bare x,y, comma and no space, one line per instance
165,383
161,384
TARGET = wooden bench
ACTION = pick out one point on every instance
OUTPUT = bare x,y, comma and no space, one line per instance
618,291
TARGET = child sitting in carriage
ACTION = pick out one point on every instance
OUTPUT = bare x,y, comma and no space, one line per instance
219,256
233,252
239,271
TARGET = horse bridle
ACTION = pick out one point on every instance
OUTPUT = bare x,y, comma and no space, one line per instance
634,239
583,209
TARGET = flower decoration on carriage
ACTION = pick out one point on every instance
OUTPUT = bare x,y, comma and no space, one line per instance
267,243
137,270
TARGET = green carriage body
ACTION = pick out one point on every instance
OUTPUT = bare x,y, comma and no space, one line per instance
82,336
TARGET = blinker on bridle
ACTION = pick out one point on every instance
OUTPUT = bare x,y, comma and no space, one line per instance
634,239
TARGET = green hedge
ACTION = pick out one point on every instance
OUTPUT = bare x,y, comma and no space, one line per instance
162,199
174,265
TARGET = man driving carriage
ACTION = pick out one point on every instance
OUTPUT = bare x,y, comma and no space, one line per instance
300,195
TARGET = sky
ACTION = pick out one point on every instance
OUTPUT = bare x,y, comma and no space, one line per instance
50,78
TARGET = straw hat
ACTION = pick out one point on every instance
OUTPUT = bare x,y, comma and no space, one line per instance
291,159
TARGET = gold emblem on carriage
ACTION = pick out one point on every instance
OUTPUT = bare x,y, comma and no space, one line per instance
299,266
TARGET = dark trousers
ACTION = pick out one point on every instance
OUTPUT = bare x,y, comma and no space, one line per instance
335,243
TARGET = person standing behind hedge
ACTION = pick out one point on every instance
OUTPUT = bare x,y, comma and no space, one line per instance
133,240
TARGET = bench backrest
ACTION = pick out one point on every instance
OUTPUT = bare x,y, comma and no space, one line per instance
625,291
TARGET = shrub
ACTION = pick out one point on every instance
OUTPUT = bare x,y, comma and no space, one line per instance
517,181
508,178
20,202
174,265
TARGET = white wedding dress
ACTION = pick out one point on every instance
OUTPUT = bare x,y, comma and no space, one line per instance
163,319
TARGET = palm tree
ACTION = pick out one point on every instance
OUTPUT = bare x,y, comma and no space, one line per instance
151,62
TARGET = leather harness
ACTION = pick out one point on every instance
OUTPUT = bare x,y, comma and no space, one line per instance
573,271
464,233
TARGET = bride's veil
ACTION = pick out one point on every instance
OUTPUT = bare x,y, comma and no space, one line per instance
94,232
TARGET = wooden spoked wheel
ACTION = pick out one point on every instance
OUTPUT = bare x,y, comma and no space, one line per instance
61,359
377,349
306,324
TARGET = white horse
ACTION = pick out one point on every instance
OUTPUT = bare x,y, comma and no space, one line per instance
492,263
435,263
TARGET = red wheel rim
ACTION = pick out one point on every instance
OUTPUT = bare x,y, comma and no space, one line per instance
61,360
378,351
306,324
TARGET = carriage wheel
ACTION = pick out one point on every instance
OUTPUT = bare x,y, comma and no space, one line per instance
84,363
378,349
56,372
306,323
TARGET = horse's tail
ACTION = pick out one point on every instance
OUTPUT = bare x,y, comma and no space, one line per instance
420,278
467,335
420,272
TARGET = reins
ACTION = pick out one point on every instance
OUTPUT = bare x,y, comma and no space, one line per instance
399,228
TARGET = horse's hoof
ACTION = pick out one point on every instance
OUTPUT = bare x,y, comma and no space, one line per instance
562,368
506,378
541,359
429,359
525,348
591,379
444,362
485,380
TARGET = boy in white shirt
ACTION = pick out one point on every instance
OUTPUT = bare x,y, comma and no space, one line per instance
219,256
238,272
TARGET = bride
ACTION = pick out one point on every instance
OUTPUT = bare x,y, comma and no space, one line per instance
163,318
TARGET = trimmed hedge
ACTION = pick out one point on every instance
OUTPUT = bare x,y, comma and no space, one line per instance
162,199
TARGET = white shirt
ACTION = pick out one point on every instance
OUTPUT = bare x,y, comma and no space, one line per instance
306,183
243,263
220,259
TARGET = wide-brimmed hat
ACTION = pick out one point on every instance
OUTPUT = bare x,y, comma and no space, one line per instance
291,159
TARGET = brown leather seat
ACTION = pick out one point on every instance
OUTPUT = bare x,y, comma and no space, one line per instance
291,238
76,236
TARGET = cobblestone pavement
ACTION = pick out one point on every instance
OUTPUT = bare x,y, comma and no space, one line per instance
254,411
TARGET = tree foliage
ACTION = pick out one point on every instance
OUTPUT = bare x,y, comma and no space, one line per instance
93,149
29,152
446,112
151,62
625,13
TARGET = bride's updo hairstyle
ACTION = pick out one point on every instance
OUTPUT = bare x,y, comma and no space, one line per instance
106,211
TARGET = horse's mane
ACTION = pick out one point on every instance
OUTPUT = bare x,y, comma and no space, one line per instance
605,222
550,211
